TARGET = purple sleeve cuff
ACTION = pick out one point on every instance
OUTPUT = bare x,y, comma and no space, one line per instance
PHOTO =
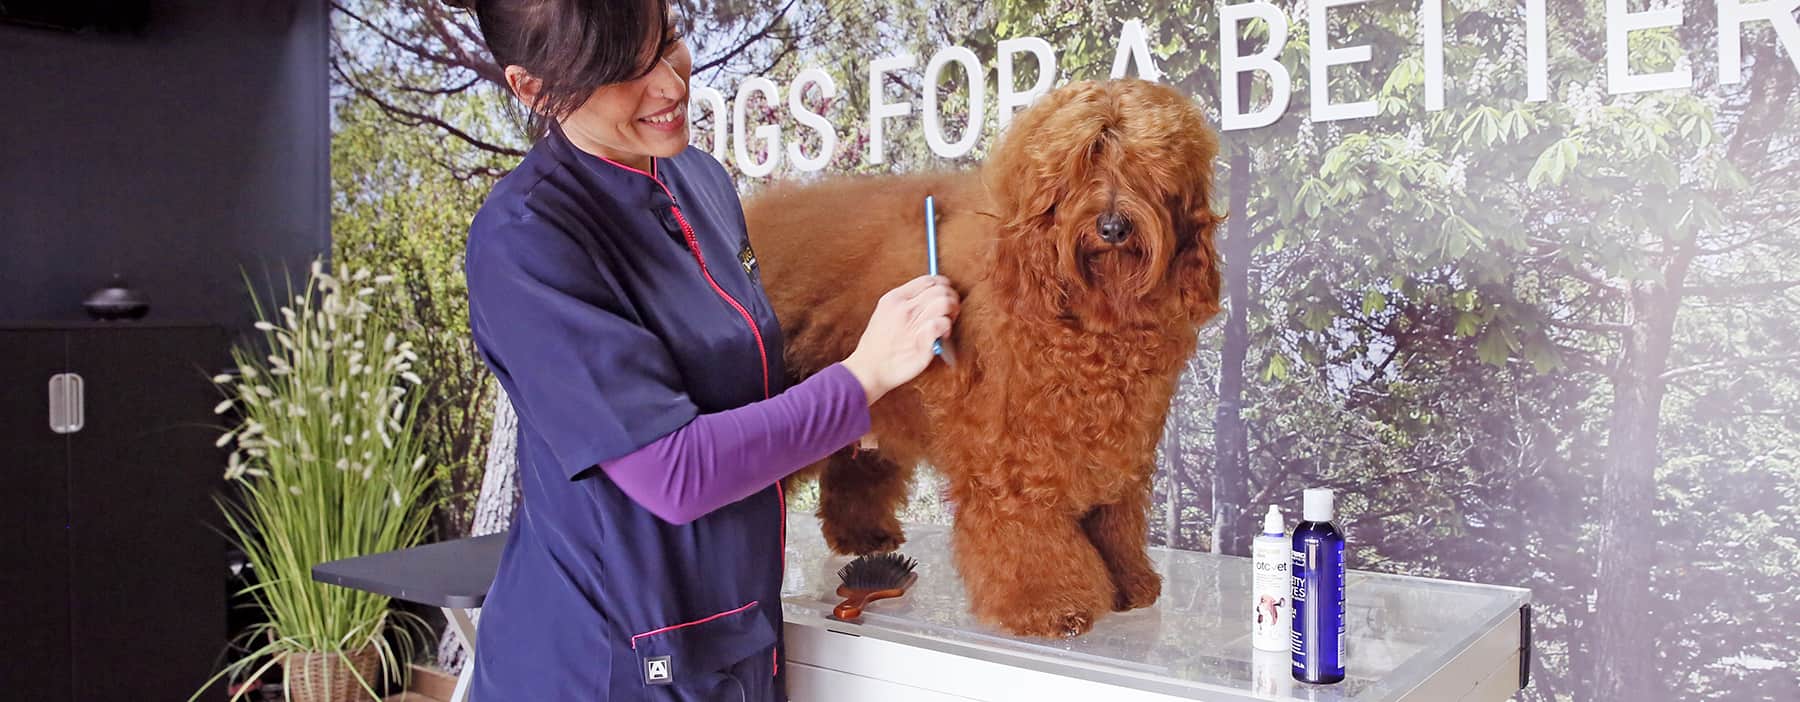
723,457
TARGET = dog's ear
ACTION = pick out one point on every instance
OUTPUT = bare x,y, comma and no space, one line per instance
1197,265
1025,186
1024,275
1196,257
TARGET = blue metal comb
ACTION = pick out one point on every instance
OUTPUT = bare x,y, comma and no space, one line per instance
931,252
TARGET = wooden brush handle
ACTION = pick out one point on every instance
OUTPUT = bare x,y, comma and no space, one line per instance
851,608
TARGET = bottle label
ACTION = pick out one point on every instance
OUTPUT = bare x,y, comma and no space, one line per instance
1318,637
1269,615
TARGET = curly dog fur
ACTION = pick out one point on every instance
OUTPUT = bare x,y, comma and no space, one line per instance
1069,345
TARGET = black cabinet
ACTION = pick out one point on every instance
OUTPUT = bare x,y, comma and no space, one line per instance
34,519
111,563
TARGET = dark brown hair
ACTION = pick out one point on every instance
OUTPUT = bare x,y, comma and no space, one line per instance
573,46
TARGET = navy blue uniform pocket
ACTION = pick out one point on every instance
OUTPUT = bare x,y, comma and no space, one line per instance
725,657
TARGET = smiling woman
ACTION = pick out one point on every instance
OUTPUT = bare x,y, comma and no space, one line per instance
557,51
654,414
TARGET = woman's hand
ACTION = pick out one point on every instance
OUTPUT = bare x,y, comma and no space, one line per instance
896,346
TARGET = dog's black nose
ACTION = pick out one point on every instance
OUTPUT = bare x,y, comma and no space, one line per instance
1114,227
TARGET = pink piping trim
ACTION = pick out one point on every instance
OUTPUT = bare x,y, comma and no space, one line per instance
637,171
665,629
780,498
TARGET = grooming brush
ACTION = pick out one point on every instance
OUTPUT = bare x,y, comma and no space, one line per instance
931,253
872,577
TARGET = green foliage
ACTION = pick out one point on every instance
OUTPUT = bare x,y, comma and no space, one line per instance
1555,163
327,465
402,200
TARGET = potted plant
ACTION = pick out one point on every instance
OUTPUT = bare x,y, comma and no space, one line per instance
326,466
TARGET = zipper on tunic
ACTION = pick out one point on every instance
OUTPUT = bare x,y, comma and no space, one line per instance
693,243
694,246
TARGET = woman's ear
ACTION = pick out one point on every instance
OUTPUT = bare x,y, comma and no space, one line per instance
524,86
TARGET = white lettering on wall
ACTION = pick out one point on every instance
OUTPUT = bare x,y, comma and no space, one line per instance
1010,98
769,134
1264,61
934,128
1324,57
1620,23
1732,16
879,108
806,117
1134,46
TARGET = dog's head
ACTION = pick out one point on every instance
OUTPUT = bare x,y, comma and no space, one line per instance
1105,197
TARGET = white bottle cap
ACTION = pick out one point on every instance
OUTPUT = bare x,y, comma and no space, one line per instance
1272,521
1318,504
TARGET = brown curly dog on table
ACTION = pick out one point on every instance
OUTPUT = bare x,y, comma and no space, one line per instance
1083,251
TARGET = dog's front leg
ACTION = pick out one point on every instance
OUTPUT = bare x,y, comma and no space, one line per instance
859,494
1029,569
1120,532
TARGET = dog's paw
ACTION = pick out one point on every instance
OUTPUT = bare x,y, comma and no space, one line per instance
1050,622
856,541
1136,589
1043,613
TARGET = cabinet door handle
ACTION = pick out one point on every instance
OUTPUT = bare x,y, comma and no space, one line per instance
59,399
77,417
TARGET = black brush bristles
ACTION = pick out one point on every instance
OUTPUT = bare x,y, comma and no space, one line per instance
877,571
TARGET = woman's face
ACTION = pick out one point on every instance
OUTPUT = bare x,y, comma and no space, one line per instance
634,121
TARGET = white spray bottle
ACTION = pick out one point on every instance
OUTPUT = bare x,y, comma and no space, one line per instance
1271,621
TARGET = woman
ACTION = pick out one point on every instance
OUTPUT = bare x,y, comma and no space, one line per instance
613,292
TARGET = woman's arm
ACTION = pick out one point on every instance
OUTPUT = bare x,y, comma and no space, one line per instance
723,457
600,389
720,458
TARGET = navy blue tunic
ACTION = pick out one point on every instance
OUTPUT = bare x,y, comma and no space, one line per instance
614,305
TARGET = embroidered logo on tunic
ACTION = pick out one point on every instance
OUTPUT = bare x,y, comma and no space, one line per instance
747,257
658,671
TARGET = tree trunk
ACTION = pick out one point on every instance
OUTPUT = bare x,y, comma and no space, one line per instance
494,507
500,479
1230,478
1176,466
1625,651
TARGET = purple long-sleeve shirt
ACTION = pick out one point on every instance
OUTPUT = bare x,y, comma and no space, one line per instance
723,457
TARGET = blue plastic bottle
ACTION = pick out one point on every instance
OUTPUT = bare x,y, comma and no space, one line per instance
1318,577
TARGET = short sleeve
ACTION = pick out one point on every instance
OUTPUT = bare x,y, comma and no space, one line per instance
594,384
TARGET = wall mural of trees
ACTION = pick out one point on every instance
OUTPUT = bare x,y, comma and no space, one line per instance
1544,342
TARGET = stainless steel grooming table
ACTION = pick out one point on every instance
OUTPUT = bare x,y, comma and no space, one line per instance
1411,639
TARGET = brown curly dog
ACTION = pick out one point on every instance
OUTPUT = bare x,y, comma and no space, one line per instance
1083,251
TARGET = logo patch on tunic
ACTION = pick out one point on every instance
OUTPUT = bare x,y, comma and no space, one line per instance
747,258
659,671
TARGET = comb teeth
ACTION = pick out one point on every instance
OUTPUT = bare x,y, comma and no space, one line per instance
877,571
